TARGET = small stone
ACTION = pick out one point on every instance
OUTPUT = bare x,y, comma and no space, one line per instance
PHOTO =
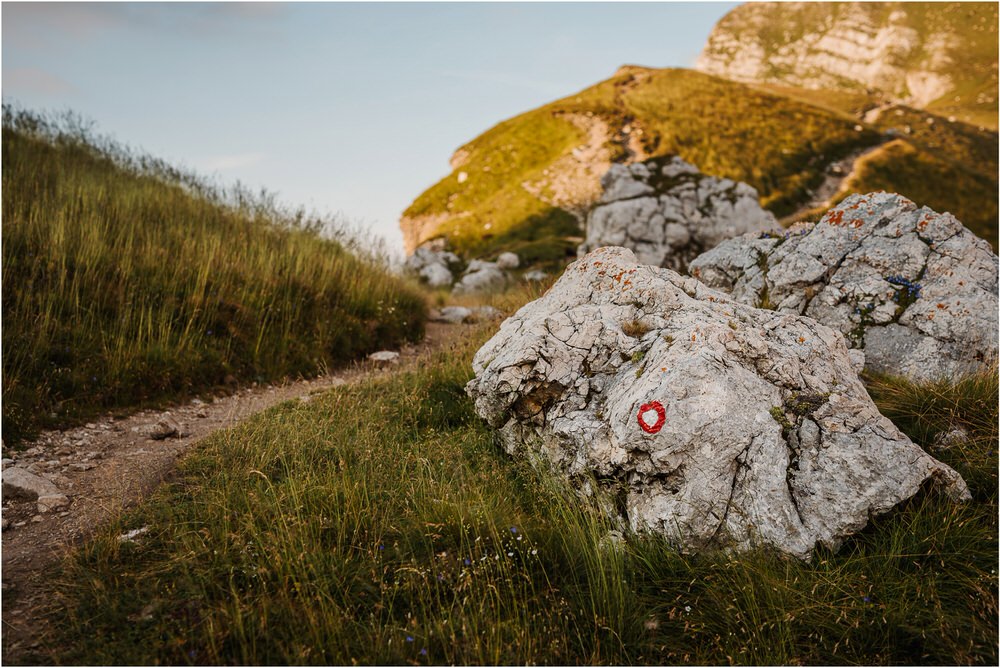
165,427
82,466
453,314
132,534
508,260
384,357
949,439
37,518
535,275
50,502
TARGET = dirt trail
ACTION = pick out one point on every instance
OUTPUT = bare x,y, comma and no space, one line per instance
838,174
110,465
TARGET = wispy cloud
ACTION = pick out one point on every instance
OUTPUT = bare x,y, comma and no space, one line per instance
40,25
33,80
223,163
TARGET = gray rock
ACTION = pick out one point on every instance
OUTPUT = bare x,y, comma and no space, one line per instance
384,357
914,289
481,277
437,276
165,427
667,212
508,260
49,502
453,314
23,484
535,275
948,439
433,265
711,422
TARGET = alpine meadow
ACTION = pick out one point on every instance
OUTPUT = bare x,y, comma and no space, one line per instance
697,365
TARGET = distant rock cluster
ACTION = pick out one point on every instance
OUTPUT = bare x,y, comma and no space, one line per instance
913,289
714,423
438,268
667,212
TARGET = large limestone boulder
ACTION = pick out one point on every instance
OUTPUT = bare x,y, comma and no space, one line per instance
435,266
668,212
914,289
714,423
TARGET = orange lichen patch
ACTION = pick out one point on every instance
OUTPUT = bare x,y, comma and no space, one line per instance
941,306
856,223
696,272
597,263
663,368
930,316
835,217
961,282
692,337
802,339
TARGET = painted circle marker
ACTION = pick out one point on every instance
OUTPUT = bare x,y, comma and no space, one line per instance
661,417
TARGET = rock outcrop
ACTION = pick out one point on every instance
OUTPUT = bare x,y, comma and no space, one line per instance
915,53
435,266
668,212
481,277
714,423
914,289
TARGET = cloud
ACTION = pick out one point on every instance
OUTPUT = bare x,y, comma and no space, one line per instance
33,80
39,26
223,163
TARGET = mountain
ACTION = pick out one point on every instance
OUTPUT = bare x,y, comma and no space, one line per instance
938,56
526,184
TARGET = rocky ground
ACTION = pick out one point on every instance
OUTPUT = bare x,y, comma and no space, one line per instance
89,475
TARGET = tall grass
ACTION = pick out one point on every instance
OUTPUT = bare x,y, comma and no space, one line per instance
381,524
128,281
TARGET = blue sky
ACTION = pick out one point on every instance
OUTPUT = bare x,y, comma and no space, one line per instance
350,108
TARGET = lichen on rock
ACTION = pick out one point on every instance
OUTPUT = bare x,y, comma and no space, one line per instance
716,424
913,288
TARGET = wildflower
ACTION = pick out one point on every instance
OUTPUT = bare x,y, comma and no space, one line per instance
513,529
867,599
209,332
409,638
381,547
466,561
534,551
510,554
423,651
687,608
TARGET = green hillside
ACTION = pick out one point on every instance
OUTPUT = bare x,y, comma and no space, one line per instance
778,140
778,145
126,281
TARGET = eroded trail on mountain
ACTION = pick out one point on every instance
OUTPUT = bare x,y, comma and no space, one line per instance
838,175
111,464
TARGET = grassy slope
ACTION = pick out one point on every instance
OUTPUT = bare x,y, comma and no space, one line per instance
382,524
973,56
778,145
778,139
123,286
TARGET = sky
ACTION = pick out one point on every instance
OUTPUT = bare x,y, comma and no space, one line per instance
348,109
